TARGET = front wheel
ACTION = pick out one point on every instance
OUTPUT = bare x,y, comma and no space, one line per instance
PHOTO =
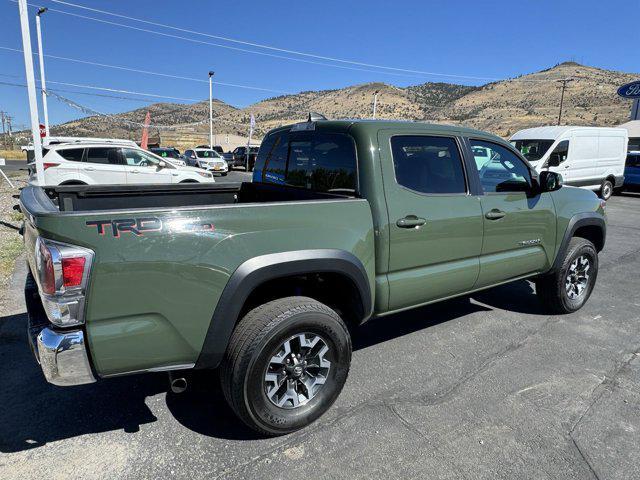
569,288
286,364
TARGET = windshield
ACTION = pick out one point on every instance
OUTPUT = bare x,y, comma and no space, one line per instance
164,153
532,150
207,154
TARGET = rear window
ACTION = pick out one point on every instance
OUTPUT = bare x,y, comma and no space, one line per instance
72,154
324,162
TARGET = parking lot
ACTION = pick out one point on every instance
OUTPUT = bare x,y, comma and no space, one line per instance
481,387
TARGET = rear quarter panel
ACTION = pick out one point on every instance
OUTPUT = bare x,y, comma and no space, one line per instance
152,296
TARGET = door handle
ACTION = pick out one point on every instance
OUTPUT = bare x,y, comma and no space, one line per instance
411,221
495,214
89,169
135,171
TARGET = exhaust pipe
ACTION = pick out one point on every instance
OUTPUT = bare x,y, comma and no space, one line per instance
178,384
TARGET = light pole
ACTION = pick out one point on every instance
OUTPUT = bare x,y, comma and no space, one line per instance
375,103
43,84
564,86
31,88
211,74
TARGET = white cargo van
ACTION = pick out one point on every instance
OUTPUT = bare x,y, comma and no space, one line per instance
589,157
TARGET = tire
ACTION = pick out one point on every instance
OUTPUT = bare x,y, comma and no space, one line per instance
554,291
606,190
261,337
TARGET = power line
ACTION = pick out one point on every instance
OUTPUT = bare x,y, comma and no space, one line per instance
277,49
389,70
193,40
147,72
270,47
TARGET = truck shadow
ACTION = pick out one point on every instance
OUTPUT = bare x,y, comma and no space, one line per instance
34,413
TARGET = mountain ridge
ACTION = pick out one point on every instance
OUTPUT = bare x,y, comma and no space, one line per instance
501,107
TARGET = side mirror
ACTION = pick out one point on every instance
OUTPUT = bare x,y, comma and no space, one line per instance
549,181
554,160
162,164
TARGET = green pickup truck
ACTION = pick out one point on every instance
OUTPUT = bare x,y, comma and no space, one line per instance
344,221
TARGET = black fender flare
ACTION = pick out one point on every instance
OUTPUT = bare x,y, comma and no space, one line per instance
258,270
587,219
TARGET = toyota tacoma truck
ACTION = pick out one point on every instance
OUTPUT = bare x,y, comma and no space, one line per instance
264,281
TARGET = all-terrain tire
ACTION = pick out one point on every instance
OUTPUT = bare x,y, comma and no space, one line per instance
558,291
259,338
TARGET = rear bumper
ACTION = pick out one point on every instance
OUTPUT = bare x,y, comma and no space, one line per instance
61,353
63,357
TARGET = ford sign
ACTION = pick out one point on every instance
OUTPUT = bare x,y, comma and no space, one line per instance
630,90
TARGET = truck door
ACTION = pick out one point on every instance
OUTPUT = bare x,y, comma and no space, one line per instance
519,226
435,224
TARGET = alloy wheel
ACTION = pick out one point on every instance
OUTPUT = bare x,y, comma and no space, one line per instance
297,370
577,278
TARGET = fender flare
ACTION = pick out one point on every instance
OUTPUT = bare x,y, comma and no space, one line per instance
258,270
579,220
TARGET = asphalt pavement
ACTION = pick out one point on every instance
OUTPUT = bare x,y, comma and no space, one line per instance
476,388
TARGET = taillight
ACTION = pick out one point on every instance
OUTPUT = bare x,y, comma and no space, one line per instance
72,271
46,273
49,165
62,273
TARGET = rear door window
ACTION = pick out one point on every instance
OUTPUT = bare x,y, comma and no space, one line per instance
324,162
107,156
72,154
428,164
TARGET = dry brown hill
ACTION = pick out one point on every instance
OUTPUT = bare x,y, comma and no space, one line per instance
499,107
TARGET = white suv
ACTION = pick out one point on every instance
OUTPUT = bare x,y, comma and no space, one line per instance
208,159
106,163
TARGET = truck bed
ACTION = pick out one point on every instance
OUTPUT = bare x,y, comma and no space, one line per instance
165,253
75,198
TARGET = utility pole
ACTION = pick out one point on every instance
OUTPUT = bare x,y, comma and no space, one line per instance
31,89
43,83
211,74
564,86
375,103
4,135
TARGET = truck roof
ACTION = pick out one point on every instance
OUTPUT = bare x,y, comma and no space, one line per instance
554,132
374,125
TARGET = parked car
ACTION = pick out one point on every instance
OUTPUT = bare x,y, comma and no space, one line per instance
632,172
274,271
108,163
208,159
170,154
588,157
240,157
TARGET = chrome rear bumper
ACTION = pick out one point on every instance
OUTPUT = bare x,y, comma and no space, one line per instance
63,357
62,354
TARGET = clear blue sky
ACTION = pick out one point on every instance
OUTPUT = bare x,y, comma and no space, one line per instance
494,39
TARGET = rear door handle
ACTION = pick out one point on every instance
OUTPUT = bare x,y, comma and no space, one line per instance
495,214
89,169
411,221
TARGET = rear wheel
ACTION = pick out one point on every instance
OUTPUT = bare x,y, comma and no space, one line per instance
286,364
606,190
568,289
